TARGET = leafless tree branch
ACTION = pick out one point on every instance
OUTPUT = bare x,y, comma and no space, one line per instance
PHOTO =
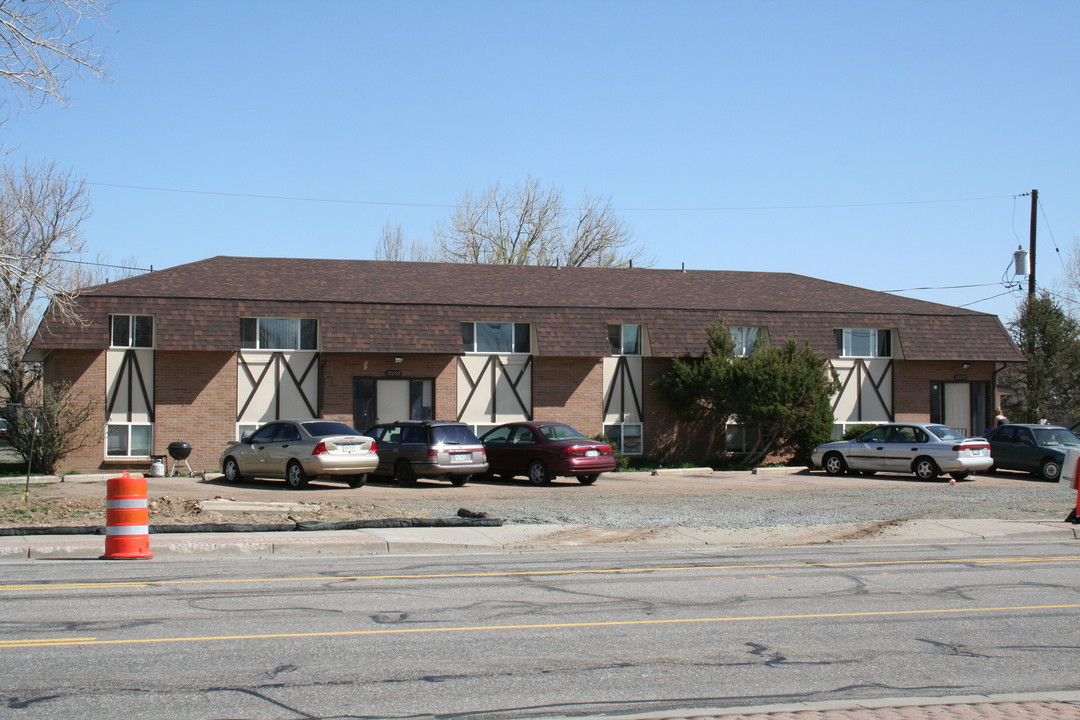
42,209
529,225
42,44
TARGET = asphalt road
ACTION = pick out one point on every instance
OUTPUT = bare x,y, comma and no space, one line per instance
532,636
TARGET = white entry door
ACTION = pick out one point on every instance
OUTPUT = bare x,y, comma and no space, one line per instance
958,407
392,401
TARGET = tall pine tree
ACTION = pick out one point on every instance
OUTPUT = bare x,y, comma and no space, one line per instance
1048,384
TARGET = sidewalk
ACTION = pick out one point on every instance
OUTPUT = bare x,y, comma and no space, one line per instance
1018,706
524,538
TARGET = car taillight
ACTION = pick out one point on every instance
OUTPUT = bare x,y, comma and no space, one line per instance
320,449
433,454
973,446
583,449
374,447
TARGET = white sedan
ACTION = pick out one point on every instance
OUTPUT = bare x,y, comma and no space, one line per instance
926,449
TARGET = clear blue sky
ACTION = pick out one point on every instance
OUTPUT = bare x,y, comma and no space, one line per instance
879,144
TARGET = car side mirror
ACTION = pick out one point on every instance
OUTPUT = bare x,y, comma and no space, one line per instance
246,437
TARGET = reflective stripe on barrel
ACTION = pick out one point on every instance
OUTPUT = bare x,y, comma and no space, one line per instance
127,518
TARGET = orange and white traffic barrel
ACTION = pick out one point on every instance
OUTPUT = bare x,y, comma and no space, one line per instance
127,519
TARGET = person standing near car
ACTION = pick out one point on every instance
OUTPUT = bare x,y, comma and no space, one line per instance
1000,418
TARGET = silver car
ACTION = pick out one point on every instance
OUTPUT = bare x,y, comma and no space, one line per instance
926,449
299,450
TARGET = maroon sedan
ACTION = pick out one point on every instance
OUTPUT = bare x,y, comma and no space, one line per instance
544,450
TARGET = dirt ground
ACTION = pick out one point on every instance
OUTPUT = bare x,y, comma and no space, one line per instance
178,500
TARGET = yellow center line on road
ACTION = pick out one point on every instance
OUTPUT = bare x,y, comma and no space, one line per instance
535,573
7,644
39,642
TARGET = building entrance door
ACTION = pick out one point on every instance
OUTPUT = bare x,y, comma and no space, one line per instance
960,405
391,400
383,400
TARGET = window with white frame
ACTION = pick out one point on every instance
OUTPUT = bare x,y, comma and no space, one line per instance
128,439
279,333
131,331
496,337
864,343
626,437
625,339
746,339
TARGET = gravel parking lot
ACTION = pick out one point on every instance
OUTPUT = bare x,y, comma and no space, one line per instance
618,500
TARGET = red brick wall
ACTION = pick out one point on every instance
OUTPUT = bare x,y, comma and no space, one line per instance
911,385
195,401
569,390
85,370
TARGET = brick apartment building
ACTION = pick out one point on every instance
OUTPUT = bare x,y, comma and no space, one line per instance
204,351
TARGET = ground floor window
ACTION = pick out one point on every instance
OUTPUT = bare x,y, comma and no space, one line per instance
626,437
242,428
128,439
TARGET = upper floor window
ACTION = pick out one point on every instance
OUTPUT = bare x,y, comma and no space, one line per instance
499,337
745,339
864,343
624,339
132,331
279,333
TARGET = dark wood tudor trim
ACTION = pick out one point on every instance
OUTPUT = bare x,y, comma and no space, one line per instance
621,377
492,368
276,361
130,370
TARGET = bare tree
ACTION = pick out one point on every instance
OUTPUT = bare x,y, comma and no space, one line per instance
42,43
530,225
42,209
392,246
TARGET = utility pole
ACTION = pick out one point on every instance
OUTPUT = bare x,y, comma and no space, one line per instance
1031,277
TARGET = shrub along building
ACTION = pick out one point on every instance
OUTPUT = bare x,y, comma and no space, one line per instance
204,351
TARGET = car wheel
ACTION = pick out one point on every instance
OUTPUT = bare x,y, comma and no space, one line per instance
588,479
925,469
459,480
1050,470
538,473
232,471
834,464
357,481
404,473
295,477
959,475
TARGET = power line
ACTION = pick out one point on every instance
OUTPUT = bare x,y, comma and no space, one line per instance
942,287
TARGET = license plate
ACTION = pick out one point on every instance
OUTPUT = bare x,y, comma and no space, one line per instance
460,458
592,453
347,448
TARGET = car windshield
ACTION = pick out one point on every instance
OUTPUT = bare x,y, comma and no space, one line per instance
1055,436
326,428
453,435
945,433
560,432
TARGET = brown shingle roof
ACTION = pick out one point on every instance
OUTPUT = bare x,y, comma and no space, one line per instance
399,307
